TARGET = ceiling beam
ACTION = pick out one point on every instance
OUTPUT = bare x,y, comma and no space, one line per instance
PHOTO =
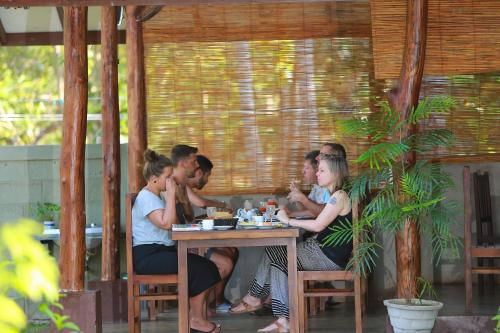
17,3
148,12
53,38
60,13
3,34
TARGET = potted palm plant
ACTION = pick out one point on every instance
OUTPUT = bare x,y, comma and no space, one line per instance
400,191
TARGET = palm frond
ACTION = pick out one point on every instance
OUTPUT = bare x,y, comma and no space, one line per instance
341,234
363,259
382,153
431,139
356,127
428,106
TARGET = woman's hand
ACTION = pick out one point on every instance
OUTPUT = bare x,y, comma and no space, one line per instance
170,187
282,216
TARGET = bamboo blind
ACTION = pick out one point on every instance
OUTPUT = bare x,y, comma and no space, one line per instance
256,106
463,37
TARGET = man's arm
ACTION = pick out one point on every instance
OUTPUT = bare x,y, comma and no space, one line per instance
196,200
312,207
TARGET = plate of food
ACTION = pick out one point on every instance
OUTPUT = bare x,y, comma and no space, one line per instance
247,225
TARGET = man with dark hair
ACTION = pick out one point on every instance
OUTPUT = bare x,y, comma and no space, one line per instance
184,153
333,149
224,257
199,181
313,203
185,164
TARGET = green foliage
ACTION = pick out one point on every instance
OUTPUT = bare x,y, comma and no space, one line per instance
425,289
497,318
45,211
402,191
27,270
32,90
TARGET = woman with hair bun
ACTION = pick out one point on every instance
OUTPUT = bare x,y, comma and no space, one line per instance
154,252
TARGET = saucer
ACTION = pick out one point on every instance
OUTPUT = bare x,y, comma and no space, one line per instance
223,227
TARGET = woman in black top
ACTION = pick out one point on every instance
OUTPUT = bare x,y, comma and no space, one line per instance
271,277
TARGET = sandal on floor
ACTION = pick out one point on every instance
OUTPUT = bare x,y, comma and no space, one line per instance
274,327
246,308
213,330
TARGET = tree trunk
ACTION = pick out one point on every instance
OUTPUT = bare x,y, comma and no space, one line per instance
110,261
72,163
137,139
403,98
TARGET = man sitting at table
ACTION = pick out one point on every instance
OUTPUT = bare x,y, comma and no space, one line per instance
224,257
184,160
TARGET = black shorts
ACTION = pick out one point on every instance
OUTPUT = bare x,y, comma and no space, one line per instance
160,259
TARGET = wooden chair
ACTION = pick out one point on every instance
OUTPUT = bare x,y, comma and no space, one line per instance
487,246
307,290
134,281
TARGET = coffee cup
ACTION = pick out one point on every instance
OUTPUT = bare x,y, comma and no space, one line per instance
207,224
259,219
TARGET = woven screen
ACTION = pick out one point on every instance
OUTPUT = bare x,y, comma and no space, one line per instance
463,37
254,106
257,100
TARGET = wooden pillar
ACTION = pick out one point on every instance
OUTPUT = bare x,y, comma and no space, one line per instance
110,261
403,98
137,140
467,240
72,163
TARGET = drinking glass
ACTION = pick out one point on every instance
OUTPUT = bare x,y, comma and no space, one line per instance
211,212
270,210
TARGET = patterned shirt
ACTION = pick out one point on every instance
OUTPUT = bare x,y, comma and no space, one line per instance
319,194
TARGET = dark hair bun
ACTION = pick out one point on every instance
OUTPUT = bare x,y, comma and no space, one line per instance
151,156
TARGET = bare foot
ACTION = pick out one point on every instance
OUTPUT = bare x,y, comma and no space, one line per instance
280,325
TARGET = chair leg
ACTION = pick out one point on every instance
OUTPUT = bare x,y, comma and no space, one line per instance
302,307
358,305
137,311
152,304
322,304
313,301
130,309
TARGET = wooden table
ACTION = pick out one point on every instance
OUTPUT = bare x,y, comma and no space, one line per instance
237,238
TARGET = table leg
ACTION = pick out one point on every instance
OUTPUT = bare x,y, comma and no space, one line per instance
293,298
183,287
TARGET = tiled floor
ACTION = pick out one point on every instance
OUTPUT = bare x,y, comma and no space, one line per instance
339,318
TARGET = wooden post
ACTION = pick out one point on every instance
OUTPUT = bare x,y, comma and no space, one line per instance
137,140
110,262
467,240
403,98
72,163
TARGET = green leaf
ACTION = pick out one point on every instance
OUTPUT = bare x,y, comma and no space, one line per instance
424,287
383,153
426,107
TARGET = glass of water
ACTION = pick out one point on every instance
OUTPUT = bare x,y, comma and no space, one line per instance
270,210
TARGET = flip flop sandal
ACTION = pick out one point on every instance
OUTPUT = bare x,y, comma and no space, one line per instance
246,308
194,330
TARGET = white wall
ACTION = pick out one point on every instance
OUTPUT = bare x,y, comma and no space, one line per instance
31,174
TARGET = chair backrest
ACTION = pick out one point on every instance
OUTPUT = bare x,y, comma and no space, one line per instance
482,200
129,203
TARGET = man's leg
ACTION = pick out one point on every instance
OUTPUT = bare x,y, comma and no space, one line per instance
225,260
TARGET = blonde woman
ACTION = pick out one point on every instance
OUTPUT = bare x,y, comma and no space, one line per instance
271,277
